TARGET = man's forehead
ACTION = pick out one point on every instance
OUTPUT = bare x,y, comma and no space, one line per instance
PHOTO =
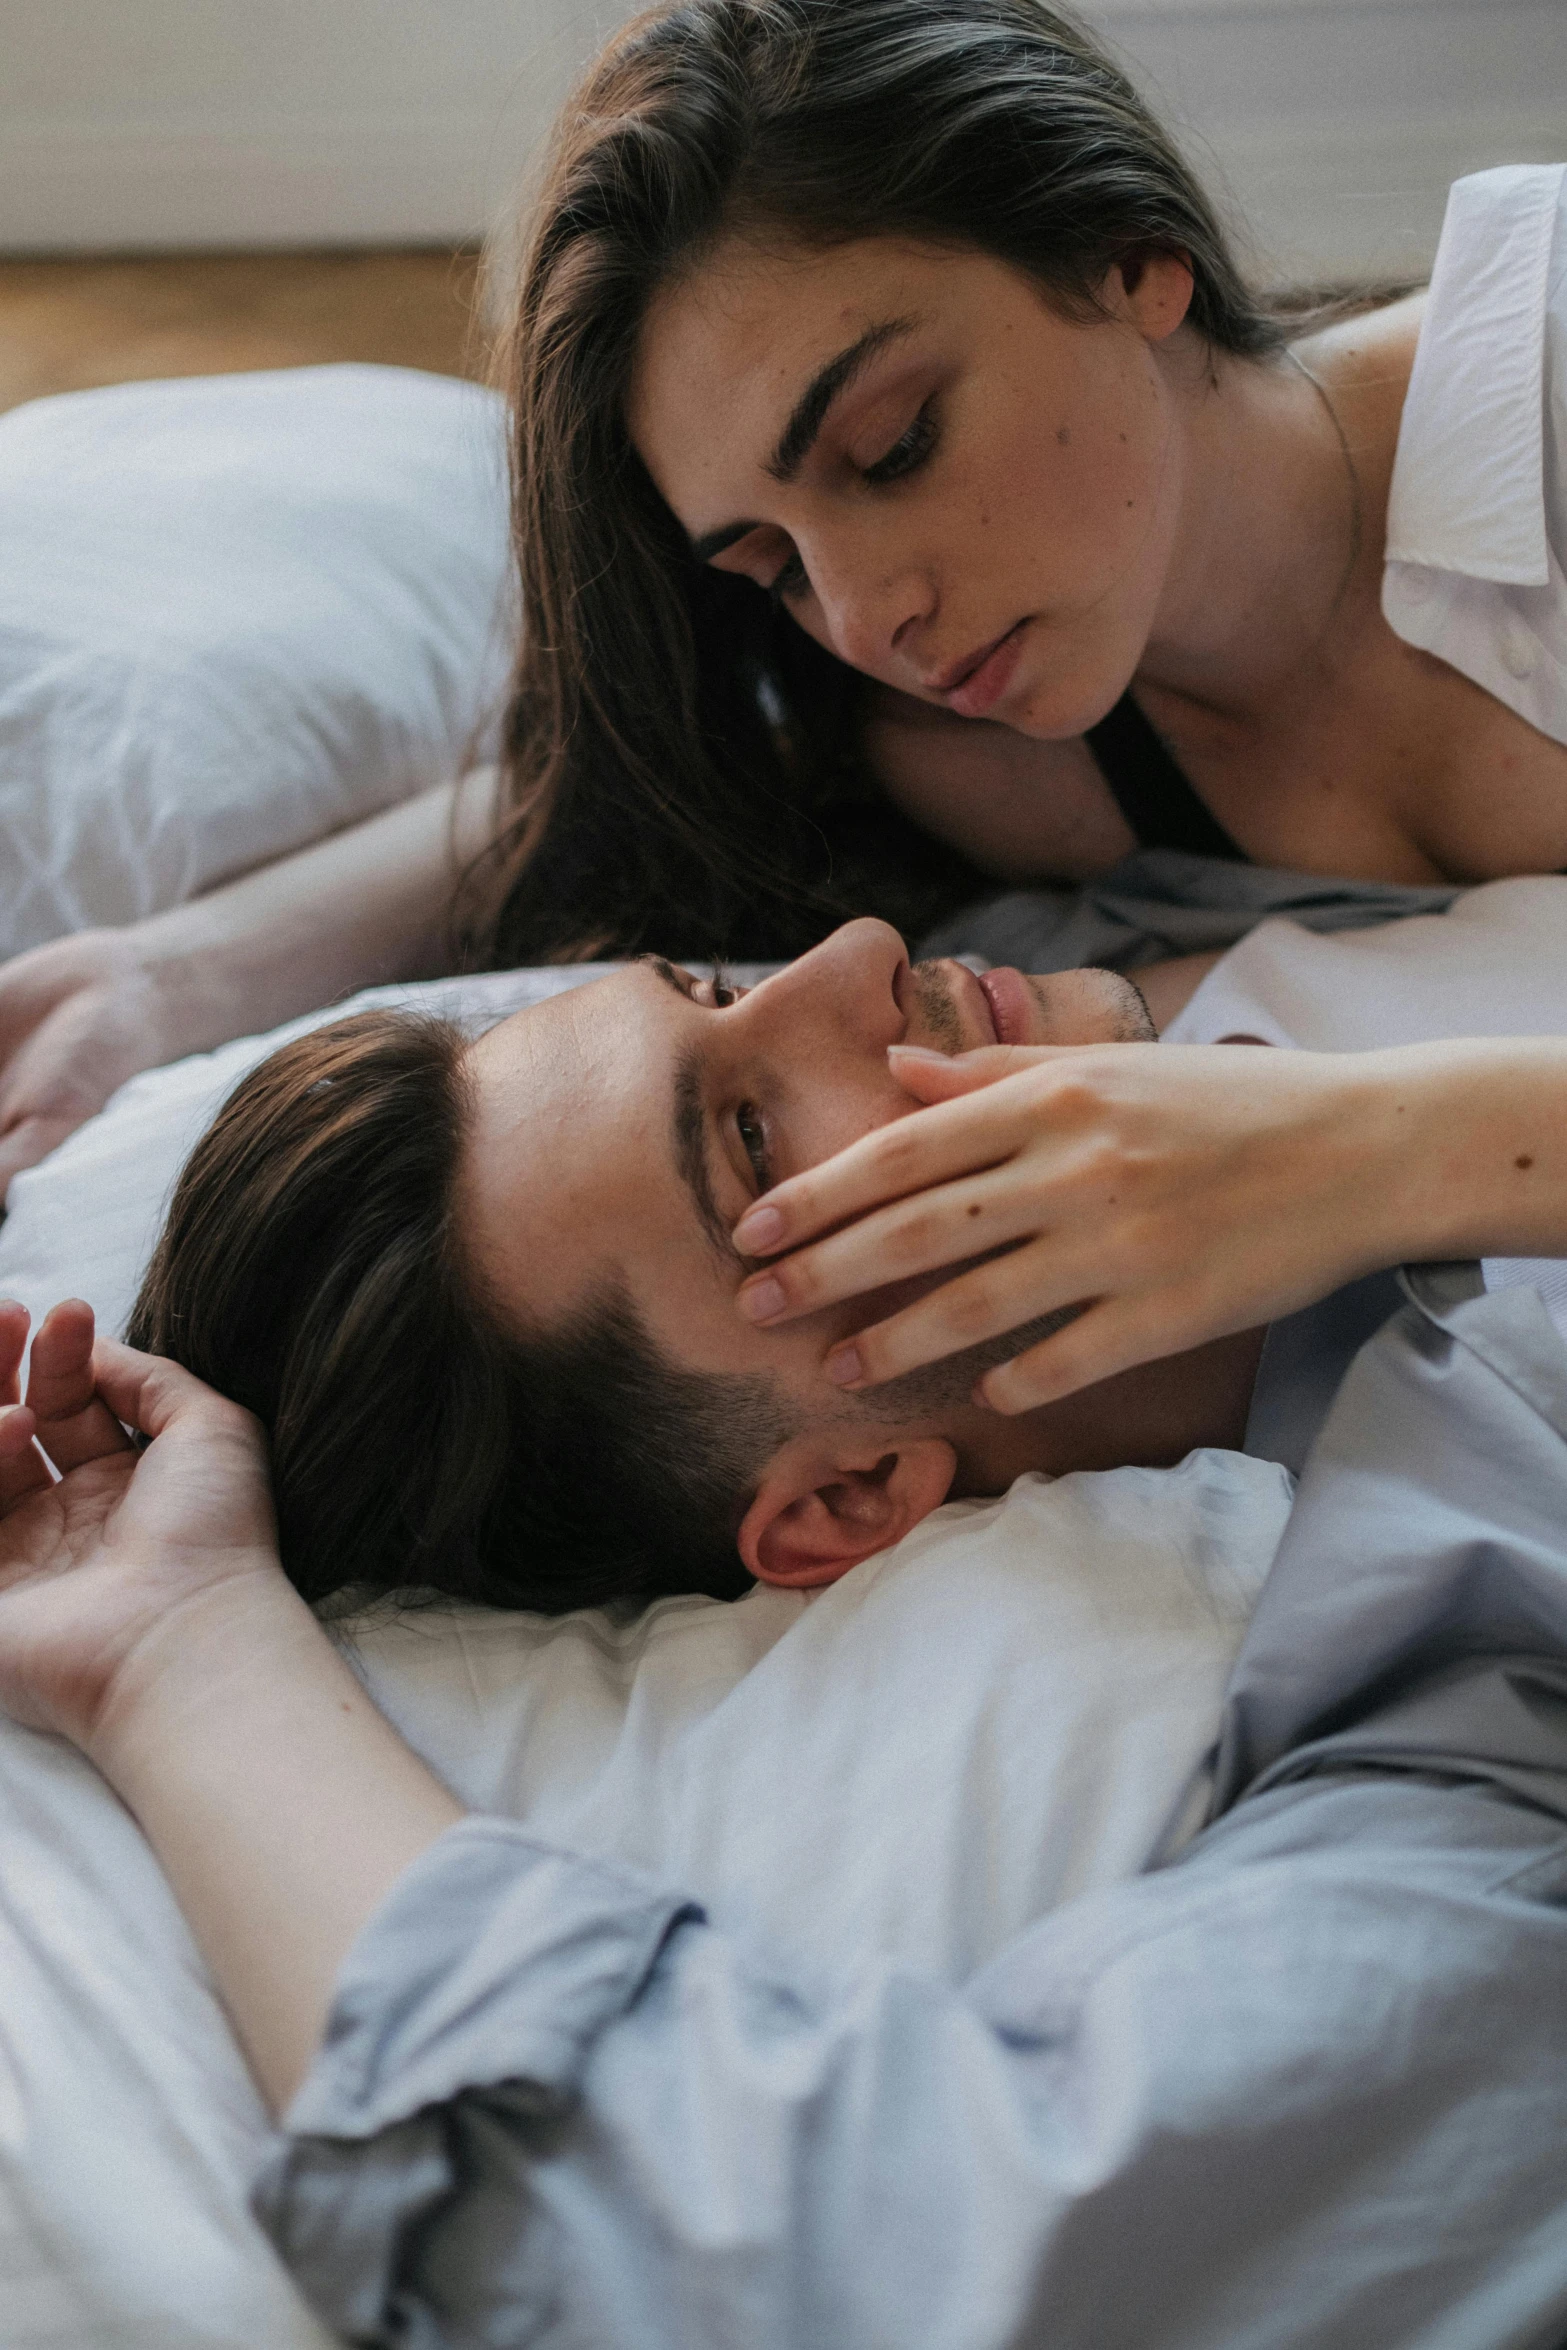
549,1056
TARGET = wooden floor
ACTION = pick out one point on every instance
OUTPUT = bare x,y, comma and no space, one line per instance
68,324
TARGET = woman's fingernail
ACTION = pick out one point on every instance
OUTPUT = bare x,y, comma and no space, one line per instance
757,1229
843,1368
762,1302
918,1052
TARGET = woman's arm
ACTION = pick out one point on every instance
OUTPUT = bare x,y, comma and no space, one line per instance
1172,1193
80,1015
1016,808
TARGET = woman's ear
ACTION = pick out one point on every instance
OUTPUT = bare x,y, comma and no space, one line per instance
1152,290
831,1499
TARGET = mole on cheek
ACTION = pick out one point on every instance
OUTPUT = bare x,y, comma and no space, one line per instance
1064,436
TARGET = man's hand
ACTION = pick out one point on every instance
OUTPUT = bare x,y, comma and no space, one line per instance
103,1567
77,1018
144,1614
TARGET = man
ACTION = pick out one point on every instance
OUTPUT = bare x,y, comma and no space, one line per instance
483,1296
1305,2086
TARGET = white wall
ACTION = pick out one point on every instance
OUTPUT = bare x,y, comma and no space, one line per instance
138,124
1337,125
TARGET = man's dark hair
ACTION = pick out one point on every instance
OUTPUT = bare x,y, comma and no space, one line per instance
311,1268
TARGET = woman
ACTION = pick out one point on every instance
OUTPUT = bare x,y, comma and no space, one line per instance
907,320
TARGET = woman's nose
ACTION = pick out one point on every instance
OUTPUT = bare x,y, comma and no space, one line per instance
872,621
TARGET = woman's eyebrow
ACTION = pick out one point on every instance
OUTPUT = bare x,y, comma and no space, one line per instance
798,437
809,414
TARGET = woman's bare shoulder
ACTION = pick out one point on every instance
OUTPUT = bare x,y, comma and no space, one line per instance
1364,364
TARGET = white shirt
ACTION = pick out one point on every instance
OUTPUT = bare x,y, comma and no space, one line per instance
1477,517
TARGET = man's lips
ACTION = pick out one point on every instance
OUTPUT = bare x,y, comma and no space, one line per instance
978,1003
1001,1004
1011,1004
975,683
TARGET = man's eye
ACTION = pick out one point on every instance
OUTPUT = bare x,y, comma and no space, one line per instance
909,452
753,1135
723,994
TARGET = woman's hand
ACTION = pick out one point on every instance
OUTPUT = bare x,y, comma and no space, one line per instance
1171,1194
103,1569
77,1018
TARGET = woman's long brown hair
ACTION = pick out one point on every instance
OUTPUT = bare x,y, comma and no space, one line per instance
680,768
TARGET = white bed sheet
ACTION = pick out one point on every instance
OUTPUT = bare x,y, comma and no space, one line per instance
1004,1711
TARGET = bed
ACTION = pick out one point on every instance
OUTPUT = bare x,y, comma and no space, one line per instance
1015,1706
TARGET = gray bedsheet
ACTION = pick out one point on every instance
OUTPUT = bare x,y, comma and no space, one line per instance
1160,902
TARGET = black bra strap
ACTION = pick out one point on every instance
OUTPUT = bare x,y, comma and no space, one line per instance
1150,790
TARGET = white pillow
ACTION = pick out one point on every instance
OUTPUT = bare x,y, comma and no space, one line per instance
1010,1708
236,612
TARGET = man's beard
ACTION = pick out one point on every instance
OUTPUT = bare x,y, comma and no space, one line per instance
938,1013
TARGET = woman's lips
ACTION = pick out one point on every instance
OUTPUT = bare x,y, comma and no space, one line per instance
1011,1004
984,686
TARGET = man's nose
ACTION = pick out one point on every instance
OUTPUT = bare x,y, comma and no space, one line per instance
850,988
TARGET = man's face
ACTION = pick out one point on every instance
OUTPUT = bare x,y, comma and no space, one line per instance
623,1128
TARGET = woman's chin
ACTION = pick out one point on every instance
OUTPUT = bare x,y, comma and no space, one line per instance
1060,709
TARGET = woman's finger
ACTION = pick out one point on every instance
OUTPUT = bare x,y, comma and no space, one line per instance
1018,1288
908,1154
929,1231
944,1077
73,1424
1111,1336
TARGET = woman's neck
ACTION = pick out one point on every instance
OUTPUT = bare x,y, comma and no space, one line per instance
1286,466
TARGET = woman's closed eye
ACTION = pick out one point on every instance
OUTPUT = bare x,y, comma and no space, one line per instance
909,451
913,448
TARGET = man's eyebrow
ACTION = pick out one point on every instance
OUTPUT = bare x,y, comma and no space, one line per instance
665,970
688,1146
798,437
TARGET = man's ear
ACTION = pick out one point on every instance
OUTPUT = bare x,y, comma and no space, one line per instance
833,1498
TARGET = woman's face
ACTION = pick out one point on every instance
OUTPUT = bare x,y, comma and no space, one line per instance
950,485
